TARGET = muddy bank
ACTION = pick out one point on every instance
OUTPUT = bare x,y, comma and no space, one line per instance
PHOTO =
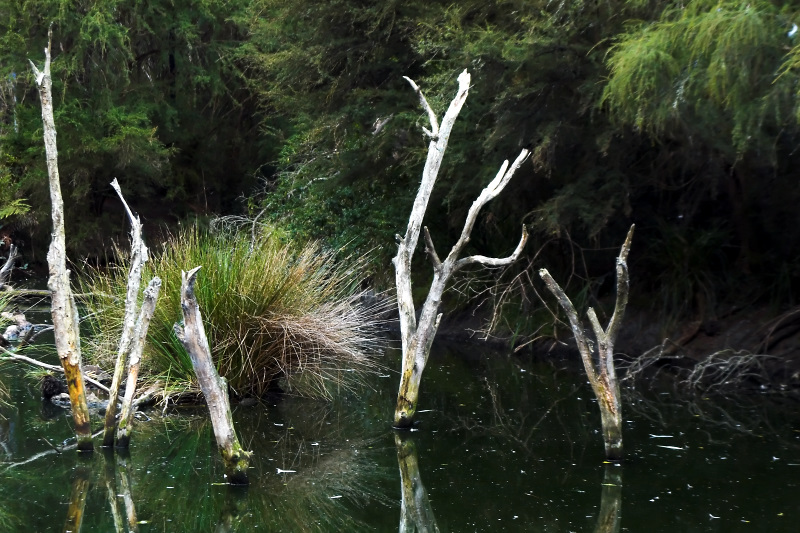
753,348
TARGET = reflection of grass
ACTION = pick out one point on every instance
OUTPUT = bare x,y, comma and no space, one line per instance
299,501
270,311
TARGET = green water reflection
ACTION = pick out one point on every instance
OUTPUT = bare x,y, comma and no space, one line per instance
506,443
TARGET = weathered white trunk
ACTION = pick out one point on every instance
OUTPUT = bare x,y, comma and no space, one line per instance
8,266
603,377
137,346
214,387
417,337
138,258
64,311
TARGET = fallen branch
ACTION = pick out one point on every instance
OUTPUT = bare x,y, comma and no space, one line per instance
5,271
54,368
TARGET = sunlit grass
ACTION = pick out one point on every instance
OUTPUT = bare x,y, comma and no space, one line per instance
272,312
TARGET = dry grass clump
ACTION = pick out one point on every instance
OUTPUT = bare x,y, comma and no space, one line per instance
272,313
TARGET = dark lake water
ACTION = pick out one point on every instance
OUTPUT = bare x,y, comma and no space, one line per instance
506,443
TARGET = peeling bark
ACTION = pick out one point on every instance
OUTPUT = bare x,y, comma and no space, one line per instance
417,336
64,311
214,387
137,345
603,376
138,258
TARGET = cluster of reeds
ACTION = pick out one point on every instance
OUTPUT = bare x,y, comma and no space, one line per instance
273,313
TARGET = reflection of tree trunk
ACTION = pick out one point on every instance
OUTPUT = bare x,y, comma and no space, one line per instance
415,510
77,501
109,476
125,490
610,501
235,503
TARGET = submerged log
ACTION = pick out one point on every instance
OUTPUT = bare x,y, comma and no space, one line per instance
214,387
64,311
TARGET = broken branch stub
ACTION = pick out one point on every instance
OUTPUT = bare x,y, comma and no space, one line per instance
417,334
214,387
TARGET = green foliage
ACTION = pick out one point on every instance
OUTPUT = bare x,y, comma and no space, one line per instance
270,311
149,92
707,68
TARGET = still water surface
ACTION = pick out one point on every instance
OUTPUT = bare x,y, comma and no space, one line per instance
506,443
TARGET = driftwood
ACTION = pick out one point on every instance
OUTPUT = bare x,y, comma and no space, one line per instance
137,345
603,377
64,311
417,336
138,258
214,387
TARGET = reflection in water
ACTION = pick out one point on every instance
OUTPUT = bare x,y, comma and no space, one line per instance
415,510
233,509
118,485
77,500
610,501
125,489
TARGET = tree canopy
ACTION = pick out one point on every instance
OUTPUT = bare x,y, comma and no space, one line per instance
679,116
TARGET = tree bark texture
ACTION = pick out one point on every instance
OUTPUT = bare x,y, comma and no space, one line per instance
214,387
137,346
8,266
417,336
64,311
603,376
138,258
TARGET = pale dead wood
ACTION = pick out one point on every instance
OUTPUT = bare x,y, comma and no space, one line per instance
64,311
138,258
417,334
602,377
214,387
135,359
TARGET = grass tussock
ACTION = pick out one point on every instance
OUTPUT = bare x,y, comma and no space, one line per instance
273,313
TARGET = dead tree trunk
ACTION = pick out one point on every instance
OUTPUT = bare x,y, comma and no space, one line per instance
214,387
138,258
8,266
137,345
417,337
603,376
64,311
